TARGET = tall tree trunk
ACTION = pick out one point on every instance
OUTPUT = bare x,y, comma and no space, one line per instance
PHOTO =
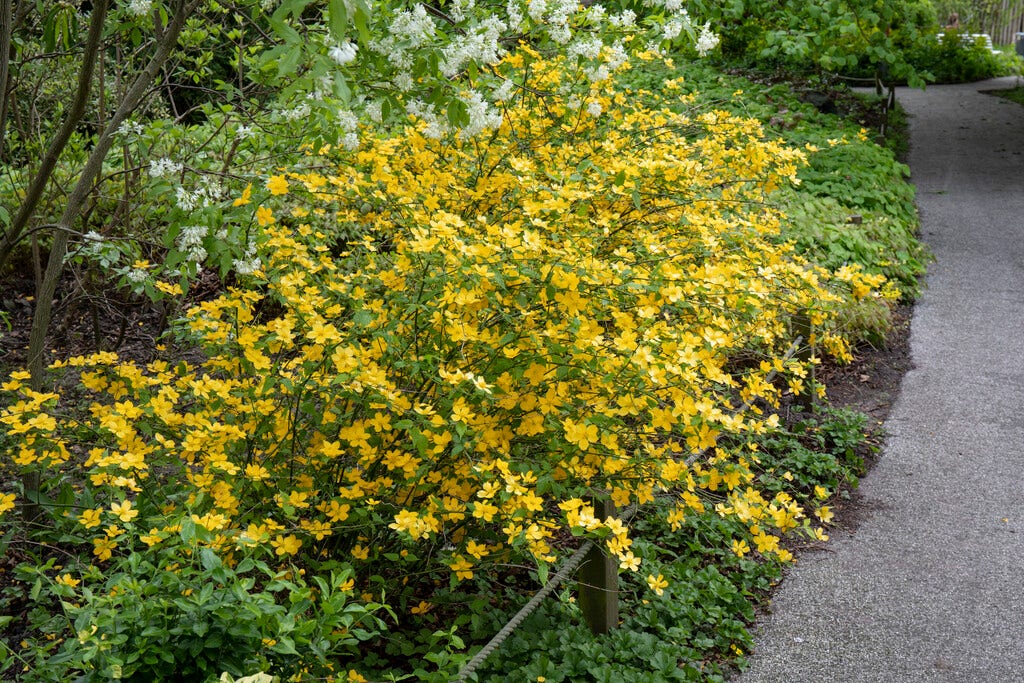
60,139
6,33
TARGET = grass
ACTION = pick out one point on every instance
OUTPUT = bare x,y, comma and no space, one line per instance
1012,94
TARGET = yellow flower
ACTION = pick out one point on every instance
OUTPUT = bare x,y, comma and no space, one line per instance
740,548
277,185
580,434
657,583
477,550
462,568
103,548
265,216
824,513
169,288
335,511
6,502
67,580
246,195
629,562
90,518
766,543
152,538
124,511
286,545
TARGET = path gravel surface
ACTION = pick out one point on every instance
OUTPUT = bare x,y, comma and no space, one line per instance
930,587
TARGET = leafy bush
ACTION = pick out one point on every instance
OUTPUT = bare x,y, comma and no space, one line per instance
176,610
449,347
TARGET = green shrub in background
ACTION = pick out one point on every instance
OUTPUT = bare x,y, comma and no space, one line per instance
954,59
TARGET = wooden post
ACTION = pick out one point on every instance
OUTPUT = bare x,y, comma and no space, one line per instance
598,583
802,326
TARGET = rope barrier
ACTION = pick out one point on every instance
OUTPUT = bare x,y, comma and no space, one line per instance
568,568
574,562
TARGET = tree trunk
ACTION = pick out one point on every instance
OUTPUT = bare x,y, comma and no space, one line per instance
6,33
60,139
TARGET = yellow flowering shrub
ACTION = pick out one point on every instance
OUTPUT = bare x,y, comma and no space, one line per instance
453,346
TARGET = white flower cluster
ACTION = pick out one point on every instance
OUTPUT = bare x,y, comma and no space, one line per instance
482,115
514,14
625,19
375,111
131,129
344,53
299,112
435,129
249,264
457,9
190,240
164,168
706,41
207,194
480,45
137,276
140,8
555,14
349,125
673,29
409,32
587,48
505,91
402,81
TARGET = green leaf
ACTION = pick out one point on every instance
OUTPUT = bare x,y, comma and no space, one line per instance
188,530
337,19
361,26
288,64
285,32
209,559
419,441
285,646
458,113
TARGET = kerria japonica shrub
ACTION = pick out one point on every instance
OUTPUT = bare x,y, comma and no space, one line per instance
454,345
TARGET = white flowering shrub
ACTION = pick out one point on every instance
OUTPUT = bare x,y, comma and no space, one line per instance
257,85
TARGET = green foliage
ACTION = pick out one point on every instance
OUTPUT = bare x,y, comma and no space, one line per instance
832,35
816,453
953,60
184,601
181,612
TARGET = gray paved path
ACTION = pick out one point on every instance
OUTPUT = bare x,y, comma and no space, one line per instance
931,587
